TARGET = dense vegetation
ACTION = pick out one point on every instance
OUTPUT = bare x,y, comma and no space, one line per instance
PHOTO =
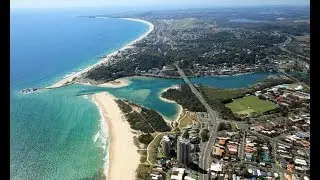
145,138
147,120
143,171
269,82
217,97
204,135
185,98
125,108
223,95
224,126
208,38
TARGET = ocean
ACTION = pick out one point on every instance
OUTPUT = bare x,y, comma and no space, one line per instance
56,134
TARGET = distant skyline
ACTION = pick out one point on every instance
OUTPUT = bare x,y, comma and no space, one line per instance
140,4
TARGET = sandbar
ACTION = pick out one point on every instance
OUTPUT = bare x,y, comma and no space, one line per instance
118,83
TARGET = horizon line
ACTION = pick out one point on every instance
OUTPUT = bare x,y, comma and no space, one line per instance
172,7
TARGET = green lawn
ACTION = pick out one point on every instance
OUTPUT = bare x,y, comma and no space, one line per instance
153,148
184,23
233,125
249,104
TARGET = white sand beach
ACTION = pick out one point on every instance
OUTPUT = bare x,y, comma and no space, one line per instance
121,82
164,90
170,101
123,155
70,78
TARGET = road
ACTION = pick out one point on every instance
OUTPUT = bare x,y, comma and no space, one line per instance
242,145
250,165
205,158
274,153
282,47
245,127
275,140
294,79
205,153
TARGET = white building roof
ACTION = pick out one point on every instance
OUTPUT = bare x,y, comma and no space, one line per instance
166,138
176,177
300,161
180,172
217,167
188,178
258,172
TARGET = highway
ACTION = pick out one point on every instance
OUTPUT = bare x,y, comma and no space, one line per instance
205,157
282,47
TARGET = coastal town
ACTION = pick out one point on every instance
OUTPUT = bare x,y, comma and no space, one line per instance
207,44
274,148
257,132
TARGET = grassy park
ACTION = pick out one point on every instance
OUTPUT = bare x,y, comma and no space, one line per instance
250,104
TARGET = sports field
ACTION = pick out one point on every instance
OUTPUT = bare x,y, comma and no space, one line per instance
249,104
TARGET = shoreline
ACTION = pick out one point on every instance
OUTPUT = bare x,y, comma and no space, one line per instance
120,138
180,108
118,83
70,79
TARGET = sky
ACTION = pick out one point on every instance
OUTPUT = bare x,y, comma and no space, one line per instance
147,3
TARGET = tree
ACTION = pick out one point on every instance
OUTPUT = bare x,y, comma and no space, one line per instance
262,97
185,134
284,111
143,171
295,104
204,135
224,126
259,153
145,138
246,174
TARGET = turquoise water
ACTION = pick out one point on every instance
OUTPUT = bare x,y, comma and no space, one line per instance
53,136
56,134
146,90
